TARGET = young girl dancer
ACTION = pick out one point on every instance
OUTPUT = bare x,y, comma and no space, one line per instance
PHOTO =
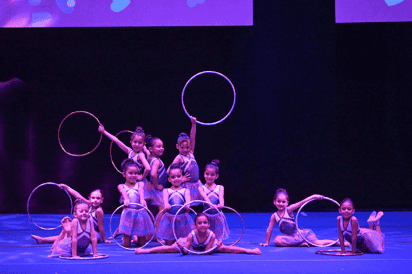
174,198
214,194
134,221
137,141
366,240
186,158
96,212
199,239
158,176
284,218
82,240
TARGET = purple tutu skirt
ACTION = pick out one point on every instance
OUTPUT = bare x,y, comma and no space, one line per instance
296,239
218,225
184,225
156,197
135,222
373,241
64,249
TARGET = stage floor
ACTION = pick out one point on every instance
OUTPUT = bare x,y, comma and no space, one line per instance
19,253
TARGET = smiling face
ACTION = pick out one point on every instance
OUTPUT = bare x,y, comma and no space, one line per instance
96,198
157,148
137,143
131,174
202,223
210,175
281,202
346,209
184,147
175,177
82,212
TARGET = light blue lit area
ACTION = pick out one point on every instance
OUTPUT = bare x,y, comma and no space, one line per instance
34,2
66,6
393,2
119,5
193,3
40,19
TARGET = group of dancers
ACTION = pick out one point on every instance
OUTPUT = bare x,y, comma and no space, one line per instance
79,237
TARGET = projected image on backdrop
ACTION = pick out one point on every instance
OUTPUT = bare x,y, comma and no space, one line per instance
125,13
363,11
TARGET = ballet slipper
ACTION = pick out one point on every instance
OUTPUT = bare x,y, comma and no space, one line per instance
38,239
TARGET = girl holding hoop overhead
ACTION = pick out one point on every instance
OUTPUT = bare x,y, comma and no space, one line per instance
173,199
158,176
214,194
186,158
96,212
201,239
134,221
82,240
137,141
284,218
366,240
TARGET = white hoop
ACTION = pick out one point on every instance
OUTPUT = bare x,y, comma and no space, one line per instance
234,97
88,257
28,203
111,231
297,227
174,230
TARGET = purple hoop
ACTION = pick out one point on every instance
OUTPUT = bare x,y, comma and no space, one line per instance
234,97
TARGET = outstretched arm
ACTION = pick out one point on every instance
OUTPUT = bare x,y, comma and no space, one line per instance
141,193
221,197
355,226
115,140
341,239
100,221
269,230
93,238
293,207
193,134
124,194
203,194
74,238
74,193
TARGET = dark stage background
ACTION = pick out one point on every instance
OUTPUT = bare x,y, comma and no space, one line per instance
321,107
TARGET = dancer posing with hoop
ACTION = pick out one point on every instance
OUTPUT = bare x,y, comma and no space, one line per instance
214,194
134,221
174,198
158,175
200,240
137,141
82,240
96,212
186,158
366,240
287,226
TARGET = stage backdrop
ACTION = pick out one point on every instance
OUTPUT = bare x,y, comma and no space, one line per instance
321,107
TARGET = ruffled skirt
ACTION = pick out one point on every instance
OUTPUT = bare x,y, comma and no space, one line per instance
184,225
218,225
373,241
64,249
295,239
136,222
